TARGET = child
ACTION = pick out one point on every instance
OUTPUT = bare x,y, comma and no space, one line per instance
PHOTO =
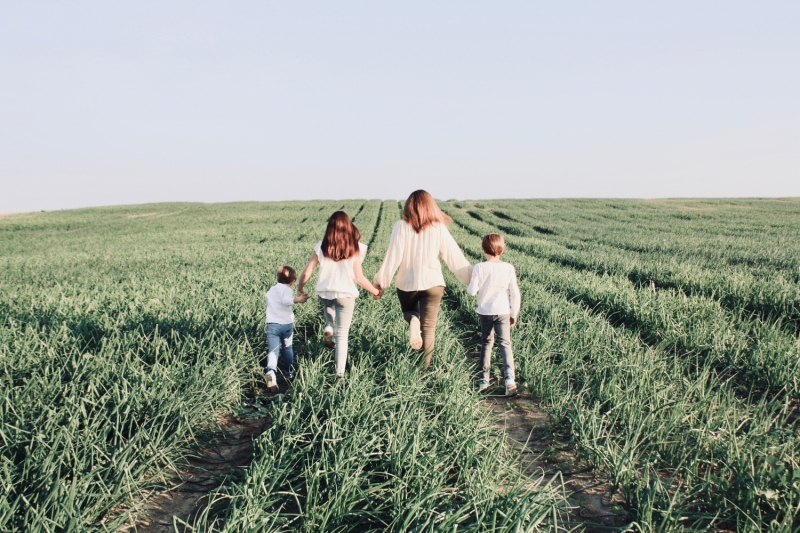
339,256
495,283
280,324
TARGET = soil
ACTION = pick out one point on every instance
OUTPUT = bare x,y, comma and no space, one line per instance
546,450
203,471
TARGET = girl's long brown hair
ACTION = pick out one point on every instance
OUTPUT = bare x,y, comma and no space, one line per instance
422,211
341,237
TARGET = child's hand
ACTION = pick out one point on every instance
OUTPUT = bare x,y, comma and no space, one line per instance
512,321
302,298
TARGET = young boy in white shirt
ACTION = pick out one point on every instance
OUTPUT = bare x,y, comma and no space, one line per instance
280,325
495,283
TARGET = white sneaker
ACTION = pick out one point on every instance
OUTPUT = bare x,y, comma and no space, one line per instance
483,385
511,389
328,337
414,333
272,382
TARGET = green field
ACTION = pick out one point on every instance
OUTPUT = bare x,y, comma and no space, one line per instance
124,330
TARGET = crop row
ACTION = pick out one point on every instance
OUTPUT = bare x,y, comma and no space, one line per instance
390,449
119,333
753,354
664,427
121,329
773,298
754,235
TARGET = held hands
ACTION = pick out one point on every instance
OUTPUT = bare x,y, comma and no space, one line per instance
380,292
302,297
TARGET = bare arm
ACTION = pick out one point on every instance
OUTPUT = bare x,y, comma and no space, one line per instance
391,261
307,271
301,298
362,280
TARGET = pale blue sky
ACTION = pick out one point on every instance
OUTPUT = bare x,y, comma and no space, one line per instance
107,103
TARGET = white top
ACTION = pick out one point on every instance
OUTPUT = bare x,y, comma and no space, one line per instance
416,255
337,279
496,287
280,299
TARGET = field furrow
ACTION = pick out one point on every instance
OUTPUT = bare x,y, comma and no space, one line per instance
755,355
392,448
124,330
753,235
115,350
664,427
772,298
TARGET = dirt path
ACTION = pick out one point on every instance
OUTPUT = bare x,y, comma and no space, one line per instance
230,448
546,449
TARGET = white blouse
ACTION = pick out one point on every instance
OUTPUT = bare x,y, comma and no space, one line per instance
415,257
496,287
337,279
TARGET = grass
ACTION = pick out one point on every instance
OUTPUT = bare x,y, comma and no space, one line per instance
690,409
123,329
392,448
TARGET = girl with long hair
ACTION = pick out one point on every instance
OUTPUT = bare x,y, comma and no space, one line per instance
339,256
417,242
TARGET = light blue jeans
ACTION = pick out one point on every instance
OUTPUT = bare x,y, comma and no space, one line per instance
277,335
339,313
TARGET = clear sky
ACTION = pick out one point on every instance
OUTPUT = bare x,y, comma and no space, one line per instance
105,103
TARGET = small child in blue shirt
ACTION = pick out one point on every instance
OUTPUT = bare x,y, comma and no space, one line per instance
280,325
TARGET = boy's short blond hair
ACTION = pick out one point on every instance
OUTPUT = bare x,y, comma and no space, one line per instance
286,274
493,244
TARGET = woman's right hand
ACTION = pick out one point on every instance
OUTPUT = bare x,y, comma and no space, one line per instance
301,298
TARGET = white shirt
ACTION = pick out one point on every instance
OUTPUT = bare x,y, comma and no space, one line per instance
496,287
415,257
280,299
337,279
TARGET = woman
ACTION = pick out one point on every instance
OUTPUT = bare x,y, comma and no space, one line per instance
415,246
339,256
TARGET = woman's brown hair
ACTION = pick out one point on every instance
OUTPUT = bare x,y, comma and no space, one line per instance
421,211
341,237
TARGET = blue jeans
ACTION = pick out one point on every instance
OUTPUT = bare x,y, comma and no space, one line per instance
501,325
277,335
